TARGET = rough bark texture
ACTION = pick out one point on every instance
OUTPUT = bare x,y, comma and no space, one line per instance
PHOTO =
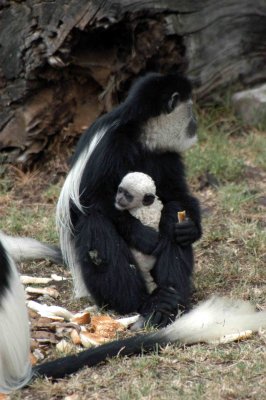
64,62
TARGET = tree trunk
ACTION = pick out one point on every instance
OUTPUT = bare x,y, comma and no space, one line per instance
64,62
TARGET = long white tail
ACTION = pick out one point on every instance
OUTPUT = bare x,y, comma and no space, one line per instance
22,248
213,319
209,321
15,368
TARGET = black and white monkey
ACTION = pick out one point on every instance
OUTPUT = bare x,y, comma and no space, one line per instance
15,368
146,133
137,194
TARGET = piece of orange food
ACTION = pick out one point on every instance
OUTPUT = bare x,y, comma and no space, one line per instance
181,216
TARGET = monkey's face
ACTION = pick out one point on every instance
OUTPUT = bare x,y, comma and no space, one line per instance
124,200
174,130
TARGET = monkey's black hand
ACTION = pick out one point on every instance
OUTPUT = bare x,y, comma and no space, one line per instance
161,307
186,232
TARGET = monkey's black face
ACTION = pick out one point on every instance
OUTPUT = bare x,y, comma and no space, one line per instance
123,199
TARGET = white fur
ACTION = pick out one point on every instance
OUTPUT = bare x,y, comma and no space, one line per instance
169,131
213,319
138,184
71,191
15,368
22,248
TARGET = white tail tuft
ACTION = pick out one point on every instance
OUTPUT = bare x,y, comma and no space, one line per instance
22,248
213,319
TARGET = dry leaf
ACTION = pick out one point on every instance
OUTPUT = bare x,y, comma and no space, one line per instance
4,396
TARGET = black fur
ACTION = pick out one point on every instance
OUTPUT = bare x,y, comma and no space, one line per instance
4,271
68,365
112,277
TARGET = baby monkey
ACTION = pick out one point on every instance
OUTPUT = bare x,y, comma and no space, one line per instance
137,194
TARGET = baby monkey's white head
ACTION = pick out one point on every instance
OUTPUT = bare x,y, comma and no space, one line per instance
135,190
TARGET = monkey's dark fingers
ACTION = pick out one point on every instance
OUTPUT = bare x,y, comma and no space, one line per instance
186,231
158,319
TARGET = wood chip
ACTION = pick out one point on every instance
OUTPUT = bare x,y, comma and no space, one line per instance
43,291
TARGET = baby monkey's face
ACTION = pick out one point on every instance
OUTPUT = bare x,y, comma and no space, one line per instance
126,200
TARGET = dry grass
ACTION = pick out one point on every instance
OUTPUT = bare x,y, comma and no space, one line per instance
228,173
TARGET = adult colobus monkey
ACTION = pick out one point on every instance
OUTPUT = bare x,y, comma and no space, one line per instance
15,368
146,133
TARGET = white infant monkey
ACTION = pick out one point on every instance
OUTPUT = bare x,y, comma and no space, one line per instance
137,194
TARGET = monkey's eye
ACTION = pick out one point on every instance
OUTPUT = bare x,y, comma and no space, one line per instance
128,196
172,103
120,190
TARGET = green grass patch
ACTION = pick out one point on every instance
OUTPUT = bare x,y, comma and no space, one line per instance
232,196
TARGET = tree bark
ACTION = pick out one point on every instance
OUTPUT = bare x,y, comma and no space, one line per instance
64,62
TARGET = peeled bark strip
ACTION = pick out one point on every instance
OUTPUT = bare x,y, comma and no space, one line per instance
64,62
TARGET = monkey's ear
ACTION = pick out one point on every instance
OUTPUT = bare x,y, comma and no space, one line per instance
148,199
172,102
